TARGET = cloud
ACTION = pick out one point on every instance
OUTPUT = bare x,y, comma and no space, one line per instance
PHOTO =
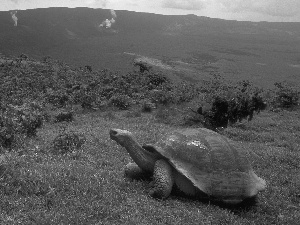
279,8
253,10
108,23
113,13
14,17
184,4
101,3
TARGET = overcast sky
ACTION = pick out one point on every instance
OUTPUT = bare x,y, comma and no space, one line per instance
250,10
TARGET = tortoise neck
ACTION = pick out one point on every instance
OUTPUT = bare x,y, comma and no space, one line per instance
143,158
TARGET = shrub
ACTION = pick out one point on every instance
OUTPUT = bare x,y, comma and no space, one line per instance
108,91
30,116
58,98
161,96
120,101
16,120
87,101
147,106
23,56
46,59
7,137
216,83
64,116
155,79
286,96
219,112
67,142
185,92
30,124
88,68
143,66
233,105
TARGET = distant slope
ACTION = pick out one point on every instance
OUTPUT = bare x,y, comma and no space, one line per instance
192,46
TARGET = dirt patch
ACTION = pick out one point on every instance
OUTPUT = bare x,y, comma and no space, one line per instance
236,52
177,70
295,65
153,62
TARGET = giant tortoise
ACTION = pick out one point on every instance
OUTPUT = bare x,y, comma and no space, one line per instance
196,161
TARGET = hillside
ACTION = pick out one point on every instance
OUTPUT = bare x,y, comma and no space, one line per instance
186,47
58,164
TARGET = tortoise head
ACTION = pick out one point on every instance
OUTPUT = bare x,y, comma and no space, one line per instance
144,158
121,136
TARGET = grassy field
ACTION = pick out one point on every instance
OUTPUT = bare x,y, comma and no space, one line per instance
87,186
39,185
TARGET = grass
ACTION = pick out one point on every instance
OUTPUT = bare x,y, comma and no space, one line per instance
86,184
89,187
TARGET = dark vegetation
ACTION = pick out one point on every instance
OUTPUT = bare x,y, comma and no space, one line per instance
232,103
285,96
64,116
16,120
29,87
143,66
67,142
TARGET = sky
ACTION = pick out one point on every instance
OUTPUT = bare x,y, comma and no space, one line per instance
243,10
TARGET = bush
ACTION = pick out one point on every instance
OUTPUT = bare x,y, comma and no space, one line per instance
233,105
155,79
30,124
88,101
161,96
286,96
120,101
185,92
88,68
147,106
67,142
30,117
16,120
64,116
7,137
143,66
57,83
58,98
108,91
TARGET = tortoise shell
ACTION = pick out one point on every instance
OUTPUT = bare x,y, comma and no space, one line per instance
212,162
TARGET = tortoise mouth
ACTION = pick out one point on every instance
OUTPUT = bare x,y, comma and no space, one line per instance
113,133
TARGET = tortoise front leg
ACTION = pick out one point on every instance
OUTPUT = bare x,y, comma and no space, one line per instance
163,179
133,171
